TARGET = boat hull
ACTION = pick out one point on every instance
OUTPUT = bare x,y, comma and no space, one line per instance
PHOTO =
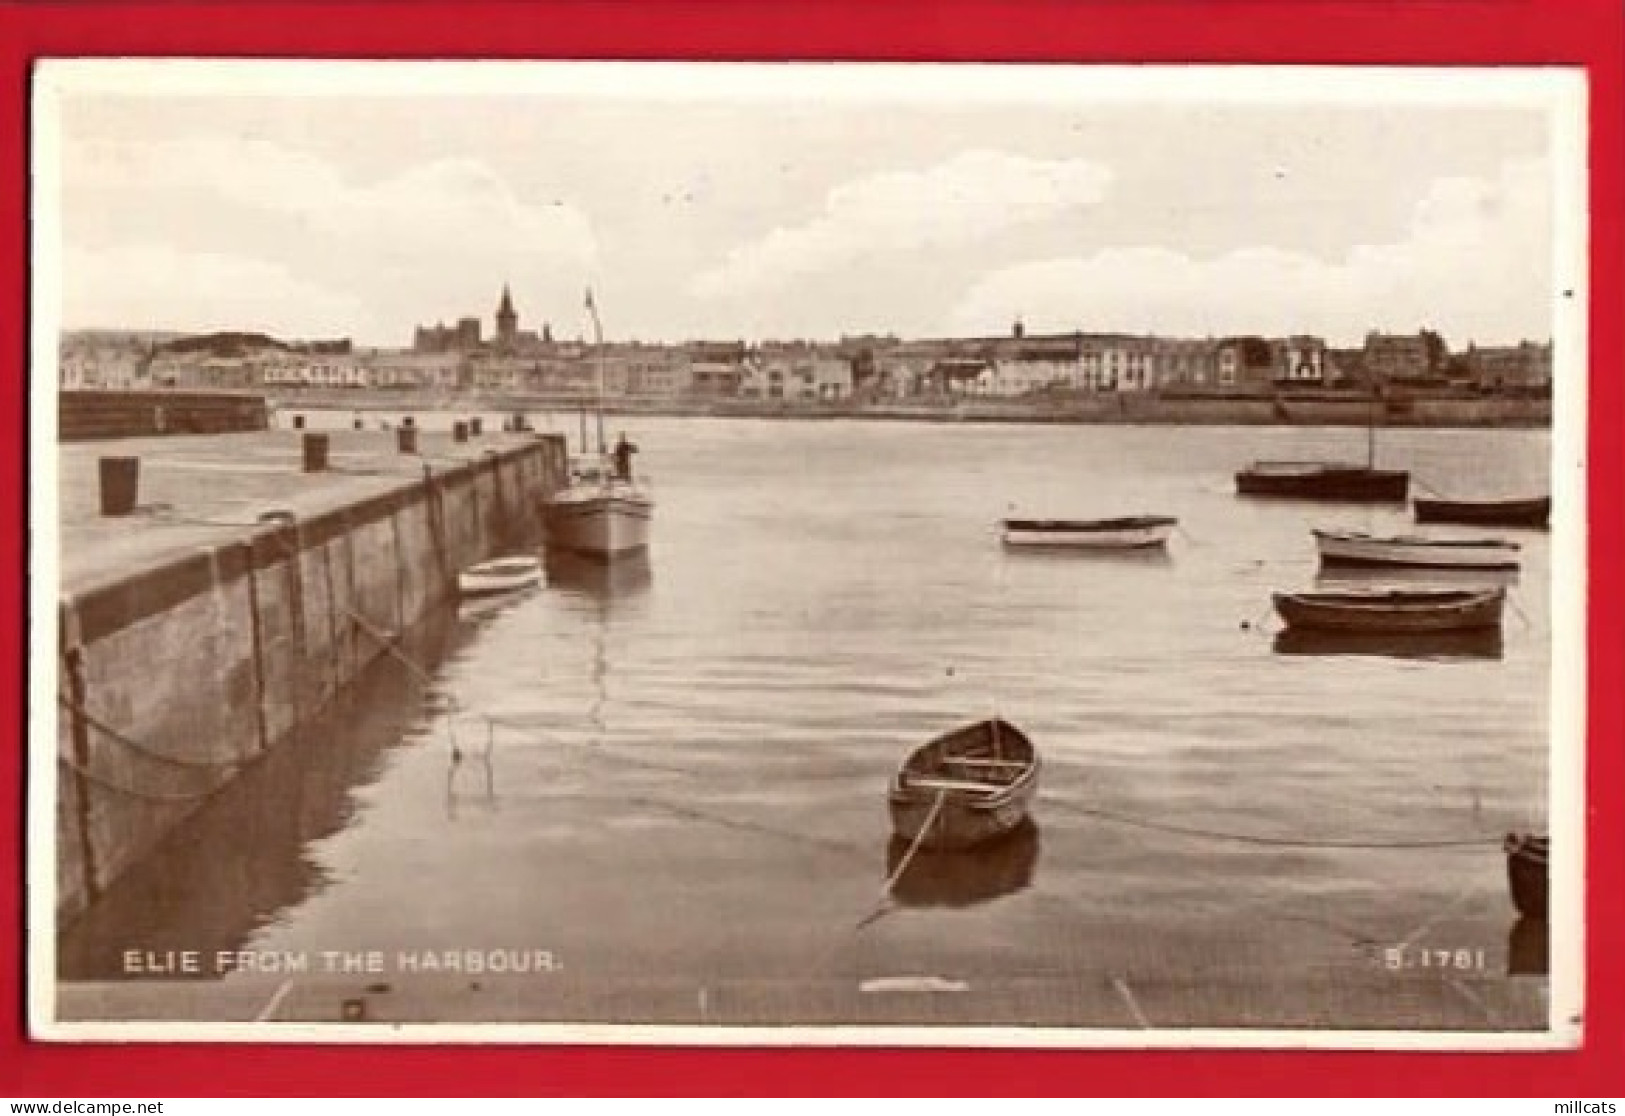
1346,549
1115,534
1527,877
1534,513
598,524
1470,644
1314,481
959,824
941,817
1393,612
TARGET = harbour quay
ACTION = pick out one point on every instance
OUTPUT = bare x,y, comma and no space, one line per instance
218,590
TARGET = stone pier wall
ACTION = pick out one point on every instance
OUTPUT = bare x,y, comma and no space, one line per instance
175,677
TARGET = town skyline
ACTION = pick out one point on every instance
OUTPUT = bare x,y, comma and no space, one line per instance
805,209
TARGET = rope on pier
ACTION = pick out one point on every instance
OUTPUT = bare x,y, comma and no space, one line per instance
131,792
142,749
1276,842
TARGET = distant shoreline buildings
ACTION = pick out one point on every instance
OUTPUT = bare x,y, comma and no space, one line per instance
459,358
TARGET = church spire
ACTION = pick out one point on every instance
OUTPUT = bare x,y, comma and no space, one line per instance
507,319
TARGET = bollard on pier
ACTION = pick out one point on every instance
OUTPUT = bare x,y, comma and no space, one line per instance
315,453
459,431
406,438
120,483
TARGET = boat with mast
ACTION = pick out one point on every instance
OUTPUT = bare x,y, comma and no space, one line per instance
1329,480
601,512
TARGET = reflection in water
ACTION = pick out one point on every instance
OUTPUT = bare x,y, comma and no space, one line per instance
601,584
244,857
1528,951
1371,577
1150,557
963,879
471,776
478,610
1479,643
602,581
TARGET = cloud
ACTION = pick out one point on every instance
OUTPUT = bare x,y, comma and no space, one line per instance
435,240
452,205
1474,263
154,286
972,197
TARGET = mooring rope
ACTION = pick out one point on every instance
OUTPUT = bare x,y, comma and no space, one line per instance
1521,614
130,792
142,749
1426,487
919,840
1275,842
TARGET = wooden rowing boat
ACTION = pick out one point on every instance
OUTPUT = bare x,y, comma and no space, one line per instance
965,787
1533,512
500,575
1356,548
1133,532
1393,610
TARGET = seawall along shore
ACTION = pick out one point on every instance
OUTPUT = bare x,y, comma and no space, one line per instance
1324,409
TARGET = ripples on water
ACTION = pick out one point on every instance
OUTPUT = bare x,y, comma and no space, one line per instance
689,772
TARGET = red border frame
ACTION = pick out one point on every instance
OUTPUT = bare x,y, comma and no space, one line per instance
1588,33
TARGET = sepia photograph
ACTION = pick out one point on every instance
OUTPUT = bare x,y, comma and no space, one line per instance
840,554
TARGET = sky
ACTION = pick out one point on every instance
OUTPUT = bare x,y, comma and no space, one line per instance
814,204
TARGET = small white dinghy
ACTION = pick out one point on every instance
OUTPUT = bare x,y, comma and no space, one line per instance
499,575
1136,532
1355,548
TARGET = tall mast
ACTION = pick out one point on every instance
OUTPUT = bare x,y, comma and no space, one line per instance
598,361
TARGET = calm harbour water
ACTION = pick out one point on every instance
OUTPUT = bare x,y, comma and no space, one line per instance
686,781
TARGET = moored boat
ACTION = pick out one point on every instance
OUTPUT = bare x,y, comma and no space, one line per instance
1124,533
1356,548
1534,512
1393,610
499,575
601,512
1323,480
1527,856
598,514
965,787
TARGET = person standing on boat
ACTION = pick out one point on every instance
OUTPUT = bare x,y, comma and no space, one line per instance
623,458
